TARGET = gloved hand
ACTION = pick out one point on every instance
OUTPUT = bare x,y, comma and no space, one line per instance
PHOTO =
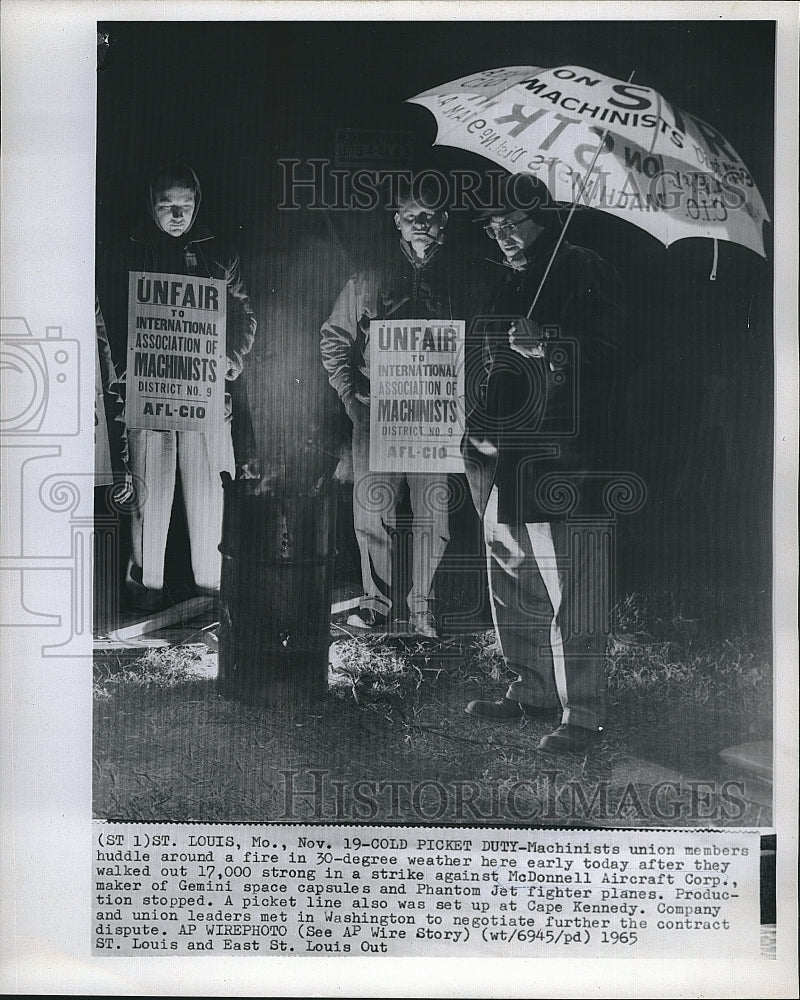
249,470
526,338
123,492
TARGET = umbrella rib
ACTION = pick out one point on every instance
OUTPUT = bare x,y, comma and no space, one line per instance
574,205
658,118
561,235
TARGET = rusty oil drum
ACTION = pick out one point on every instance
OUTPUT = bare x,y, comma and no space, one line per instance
275,596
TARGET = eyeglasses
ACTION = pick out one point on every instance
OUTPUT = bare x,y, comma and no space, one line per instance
499,232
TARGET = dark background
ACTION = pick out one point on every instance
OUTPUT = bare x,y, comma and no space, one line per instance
234,98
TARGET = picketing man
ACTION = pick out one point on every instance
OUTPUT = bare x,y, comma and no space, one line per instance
538,423
415,281
172,240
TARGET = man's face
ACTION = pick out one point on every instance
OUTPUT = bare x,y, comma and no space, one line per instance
514,232
174,209
419,226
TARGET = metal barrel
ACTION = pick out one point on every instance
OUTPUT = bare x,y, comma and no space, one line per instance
275,596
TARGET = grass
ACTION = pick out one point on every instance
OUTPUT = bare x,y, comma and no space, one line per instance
161,668
167,747
679,690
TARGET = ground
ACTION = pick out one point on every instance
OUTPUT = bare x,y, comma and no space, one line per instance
390,743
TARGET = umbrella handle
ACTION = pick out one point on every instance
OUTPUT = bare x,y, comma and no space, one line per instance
713,275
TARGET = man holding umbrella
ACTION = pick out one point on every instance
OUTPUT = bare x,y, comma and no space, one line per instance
537,434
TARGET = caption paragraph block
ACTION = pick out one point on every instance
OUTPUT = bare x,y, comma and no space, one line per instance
281,890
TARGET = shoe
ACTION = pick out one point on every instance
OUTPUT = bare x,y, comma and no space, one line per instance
506,710
424,623
140,597
570,739
143,599
211,639
366,618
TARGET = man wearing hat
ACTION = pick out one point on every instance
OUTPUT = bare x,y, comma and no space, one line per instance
538,427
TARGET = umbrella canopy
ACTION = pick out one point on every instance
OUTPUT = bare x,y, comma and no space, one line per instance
606,144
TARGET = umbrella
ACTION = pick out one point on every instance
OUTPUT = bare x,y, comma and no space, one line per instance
607,144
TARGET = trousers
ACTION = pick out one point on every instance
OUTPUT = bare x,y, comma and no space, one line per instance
550,607
375,499
155,457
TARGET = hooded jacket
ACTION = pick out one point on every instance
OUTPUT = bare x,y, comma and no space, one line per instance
195,252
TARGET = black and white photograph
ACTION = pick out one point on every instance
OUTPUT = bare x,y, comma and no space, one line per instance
437,406
419,579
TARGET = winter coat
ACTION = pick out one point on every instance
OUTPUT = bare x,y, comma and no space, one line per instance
196,252
528,417
401,287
